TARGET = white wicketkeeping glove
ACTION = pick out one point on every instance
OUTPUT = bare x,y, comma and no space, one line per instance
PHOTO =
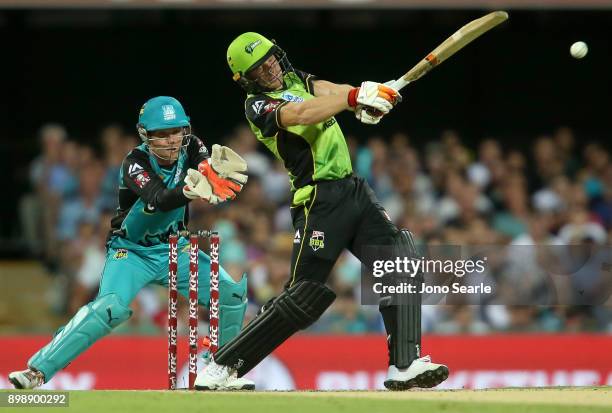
198,187
228,164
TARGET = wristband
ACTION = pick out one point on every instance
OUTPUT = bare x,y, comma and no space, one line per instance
352,97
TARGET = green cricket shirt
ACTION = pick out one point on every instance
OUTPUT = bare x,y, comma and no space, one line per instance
310,153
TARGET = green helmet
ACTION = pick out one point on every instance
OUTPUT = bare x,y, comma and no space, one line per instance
248,51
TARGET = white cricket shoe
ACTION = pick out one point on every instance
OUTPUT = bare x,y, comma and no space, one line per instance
219,377
421,373
239,383
26,379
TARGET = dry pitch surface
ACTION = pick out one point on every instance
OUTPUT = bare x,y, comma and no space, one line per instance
575,400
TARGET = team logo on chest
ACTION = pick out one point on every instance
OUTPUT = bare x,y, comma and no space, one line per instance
317,240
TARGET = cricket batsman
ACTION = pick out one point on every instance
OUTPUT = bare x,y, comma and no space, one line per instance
292,114
153,203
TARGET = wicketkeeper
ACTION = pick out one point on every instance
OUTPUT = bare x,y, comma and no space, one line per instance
158,180
292,114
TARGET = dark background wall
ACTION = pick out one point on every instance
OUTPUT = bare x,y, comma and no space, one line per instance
86,69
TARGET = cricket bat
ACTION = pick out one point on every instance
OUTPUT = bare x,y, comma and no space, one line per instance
462,37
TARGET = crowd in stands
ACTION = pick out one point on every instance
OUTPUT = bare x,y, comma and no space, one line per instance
558,191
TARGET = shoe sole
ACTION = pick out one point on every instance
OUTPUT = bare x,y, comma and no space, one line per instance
15,382
425,380
245,387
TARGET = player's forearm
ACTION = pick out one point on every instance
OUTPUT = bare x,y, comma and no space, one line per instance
169,199
162,198
313,111
325,88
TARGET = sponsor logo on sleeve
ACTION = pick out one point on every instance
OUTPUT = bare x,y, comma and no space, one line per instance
290,97
261,107
270,106
142,179
258,106
134,169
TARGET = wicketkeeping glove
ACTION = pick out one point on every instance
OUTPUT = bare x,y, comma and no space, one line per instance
228,164
198,187
223,188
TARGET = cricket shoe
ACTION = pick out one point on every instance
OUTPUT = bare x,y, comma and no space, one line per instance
421,373
221,378
26,379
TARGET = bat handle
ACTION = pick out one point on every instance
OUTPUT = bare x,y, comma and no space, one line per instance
399,84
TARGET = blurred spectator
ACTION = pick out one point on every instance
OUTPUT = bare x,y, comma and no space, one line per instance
462,319
243,142
343,317
527,206
38,210
113,152
565,142
86,206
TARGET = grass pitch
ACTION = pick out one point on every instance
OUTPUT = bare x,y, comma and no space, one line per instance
553,400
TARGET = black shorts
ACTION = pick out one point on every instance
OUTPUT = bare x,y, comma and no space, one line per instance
340,214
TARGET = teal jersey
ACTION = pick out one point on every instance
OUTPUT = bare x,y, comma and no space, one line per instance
151,200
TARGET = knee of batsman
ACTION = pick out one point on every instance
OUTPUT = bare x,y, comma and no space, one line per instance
303,303
110,308
404,244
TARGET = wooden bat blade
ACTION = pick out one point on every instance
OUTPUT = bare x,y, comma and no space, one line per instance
452,45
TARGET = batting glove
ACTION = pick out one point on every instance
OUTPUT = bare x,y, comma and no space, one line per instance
368,115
